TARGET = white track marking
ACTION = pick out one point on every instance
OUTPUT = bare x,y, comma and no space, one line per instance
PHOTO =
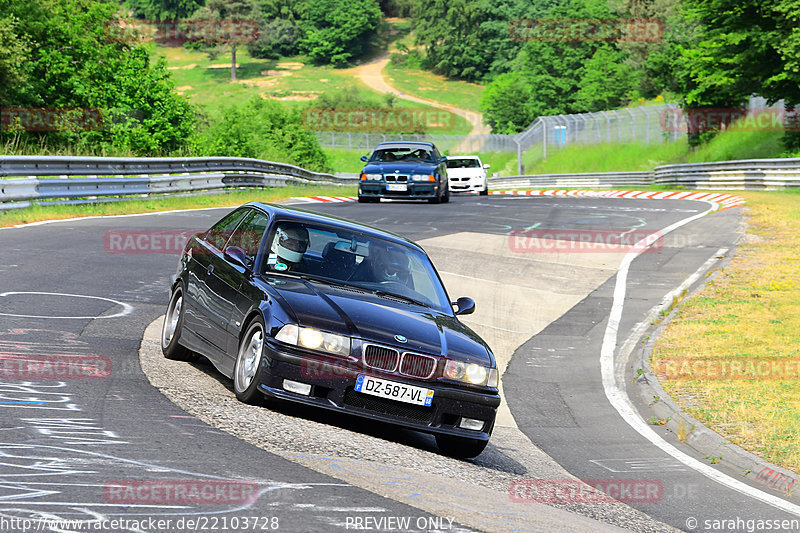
126,308
619,400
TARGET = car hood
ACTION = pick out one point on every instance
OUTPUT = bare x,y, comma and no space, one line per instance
464,172
400,168
362,314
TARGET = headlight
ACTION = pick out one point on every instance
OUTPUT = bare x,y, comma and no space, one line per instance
471,373
314,339
423,177
371,176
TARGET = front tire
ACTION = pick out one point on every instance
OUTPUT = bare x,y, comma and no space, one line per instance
172,327
248,363
460,447
446,197
485,191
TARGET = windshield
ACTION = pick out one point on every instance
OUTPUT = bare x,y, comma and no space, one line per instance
408,153
462,163
337,256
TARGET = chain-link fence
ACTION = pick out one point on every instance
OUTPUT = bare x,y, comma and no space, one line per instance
645,125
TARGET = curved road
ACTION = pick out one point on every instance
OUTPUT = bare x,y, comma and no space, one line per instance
94,447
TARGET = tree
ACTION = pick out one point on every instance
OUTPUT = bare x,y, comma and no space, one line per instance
13,51
607,81
280,28
164,9
505,103
76,62
232,11
338,30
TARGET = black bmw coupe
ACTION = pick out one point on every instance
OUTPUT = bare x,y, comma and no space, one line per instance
327,312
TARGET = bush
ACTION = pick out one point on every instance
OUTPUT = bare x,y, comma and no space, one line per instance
264,130
338,30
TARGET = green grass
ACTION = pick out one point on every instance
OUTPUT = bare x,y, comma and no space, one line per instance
430,86
604,158
748,314
43,211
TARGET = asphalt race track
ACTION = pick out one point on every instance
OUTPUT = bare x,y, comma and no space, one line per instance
96,447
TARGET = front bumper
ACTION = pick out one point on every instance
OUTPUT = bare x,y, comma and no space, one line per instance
332,387
472,185
421,190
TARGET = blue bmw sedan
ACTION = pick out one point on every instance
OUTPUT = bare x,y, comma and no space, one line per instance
327,312
404,170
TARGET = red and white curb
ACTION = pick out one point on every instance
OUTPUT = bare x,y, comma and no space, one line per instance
324,199
723,201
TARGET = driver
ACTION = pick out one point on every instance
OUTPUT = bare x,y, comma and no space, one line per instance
288,246
389,264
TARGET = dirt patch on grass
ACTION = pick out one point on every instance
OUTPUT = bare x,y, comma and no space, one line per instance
184,67
291,65
183,88
223,65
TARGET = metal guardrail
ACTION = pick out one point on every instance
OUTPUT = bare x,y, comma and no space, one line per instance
91,179
103,179
591,179
745,174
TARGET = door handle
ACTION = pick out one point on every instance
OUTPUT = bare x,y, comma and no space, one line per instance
210,269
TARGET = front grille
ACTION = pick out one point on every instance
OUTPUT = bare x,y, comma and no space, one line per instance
381,358
418,366
417,413
396,178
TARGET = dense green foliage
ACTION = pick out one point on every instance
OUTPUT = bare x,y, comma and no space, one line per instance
264,130
72,61
338,30
164,9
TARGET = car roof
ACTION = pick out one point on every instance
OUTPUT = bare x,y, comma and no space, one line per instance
301,215
462,157
405,144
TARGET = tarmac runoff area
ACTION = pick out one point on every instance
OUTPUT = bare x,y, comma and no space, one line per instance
527,294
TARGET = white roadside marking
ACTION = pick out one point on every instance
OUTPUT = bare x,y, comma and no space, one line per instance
619,400
126,308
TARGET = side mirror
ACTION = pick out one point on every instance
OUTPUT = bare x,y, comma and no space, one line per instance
487,166
237,256
364,158
442,159
466,306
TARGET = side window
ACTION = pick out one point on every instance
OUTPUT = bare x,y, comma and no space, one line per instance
218,235
248,235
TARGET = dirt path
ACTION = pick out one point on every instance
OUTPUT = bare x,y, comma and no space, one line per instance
372,75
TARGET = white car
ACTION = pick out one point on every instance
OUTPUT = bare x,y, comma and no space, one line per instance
467,173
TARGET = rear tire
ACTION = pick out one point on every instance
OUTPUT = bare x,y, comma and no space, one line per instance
171,329
246,372
460,447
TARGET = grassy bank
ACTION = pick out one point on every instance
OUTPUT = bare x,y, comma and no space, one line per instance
747,317
430,86
41,212
733,144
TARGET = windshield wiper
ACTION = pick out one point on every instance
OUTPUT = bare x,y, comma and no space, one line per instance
390,295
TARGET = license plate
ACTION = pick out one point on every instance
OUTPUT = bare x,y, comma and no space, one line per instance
396,187
400,392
